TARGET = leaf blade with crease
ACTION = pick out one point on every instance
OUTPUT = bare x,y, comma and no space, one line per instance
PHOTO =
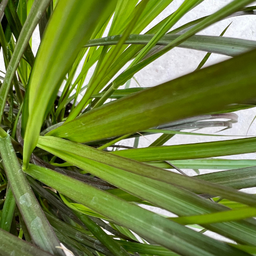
146,224
65,149
23,40
47,78
215,44
209,90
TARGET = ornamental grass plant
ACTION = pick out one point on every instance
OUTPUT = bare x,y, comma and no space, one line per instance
69,182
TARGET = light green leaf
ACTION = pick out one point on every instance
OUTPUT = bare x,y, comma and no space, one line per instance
75,153
34,16
237,214
217,164
147,224
146,249
238,178
8,211
191,151
117,171
12,245
81,208
227,10
197,93
214,44
59,46
36,222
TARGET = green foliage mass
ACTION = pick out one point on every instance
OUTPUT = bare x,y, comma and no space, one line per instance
69,182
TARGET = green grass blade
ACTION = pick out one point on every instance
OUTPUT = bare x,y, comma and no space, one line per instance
152,9
231,215
74,153
77,234
60,46
104,62
209,90
227,10
214,44
16,27
36,222
233,230
146,249
12,245
22,14
191,151
122,15
147,224
25,35
168,197
155,131
177,15
120,93
8,211
213,164
238,178
91,57
245,248
207,55
82,209
100,234
186,6
22,11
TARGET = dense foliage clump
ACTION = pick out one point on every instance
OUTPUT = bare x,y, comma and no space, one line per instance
70,184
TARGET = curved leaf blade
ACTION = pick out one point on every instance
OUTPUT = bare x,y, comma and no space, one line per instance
147,224
214,44
121,173
238,178
231,215
200,92
191,151
25,35
75,153
227,10
71,25
36,222
12,245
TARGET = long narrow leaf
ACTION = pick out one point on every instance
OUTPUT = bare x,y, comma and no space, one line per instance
239,178
197,93
8,211
59,46
227,10
12,245
236,214
106,240
75,153
147,224
191,151
36,222
25,35
215,44
218,164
